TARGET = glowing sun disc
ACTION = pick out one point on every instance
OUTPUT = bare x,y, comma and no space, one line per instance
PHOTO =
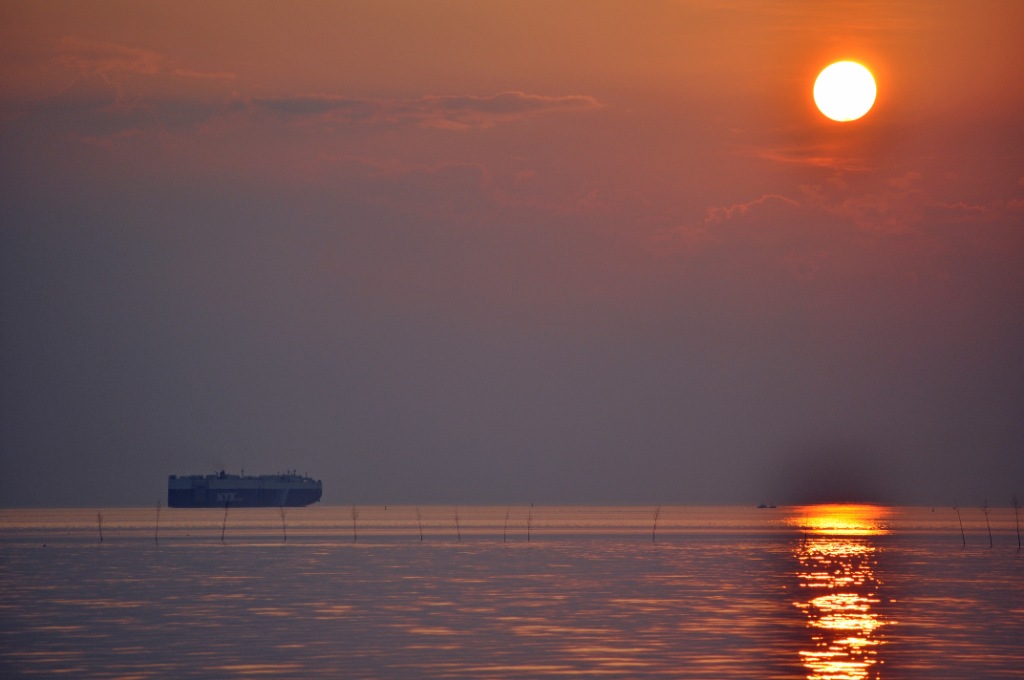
844,91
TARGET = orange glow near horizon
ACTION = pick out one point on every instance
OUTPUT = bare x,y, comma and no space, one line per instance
842,520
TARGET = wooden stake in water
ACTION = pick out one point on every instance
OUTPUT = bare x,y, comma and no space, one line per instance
99,524
529,523
419,523
458,529
962,536
355,516
284,529
654,531
1016,514
224,524
984,509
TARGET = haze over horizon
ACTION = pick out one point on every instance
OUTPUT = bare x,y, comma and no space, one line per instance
508,252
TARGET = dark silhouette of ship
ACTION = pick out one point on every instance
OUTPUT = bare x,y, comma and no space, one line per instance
288,490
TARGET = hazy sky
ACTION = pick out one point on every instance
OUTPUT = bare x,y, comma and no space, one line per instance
511,251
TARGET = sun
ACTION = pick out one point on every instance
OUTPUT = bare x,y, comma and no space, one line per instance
844,91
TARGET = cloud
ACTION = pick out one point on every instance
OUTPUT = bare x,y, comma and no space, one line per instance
764,206
901,205
773,223
509,104
111,91
307,106
204,75
103,58
857,150
960,213
887,231
907,181
722,224
454,112
476,111
813,156
771,237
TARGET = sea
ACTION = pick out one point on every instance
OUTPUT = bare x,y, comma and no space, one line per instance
828,592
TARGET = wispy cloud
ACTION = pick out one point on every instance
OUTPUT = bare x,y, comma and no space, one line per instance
118,92
511,103
767,204
817,155
437,111
302,107
204,75
104,58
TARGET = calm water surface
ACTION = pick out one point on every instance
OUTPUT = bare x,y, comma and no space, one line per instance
824,592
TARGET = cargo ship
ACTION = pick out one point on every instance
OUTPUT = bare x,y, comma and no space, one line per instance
288,490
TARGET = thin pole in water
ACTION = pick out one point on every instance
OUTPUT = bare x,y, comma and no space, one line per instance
224,525
99,524
1016,514
984,509
654,531
962,536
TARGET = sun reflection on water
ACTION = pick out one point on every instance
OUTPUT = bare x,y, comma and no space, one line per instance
839,590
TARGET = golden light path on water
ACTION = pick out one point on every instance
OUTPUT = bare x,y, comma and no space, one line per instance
839,590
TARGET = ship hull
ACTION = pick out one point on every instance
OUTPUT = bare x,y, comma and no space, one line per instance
264,491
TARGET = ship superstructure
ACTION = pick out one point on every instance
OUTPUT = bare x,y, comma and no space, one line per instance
218,490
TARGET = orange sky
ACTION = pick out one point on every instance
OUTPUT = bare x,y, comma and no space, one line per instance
682,93
642,188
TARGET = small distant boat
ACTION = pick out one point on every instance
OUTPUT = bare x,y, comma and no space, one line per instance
766,506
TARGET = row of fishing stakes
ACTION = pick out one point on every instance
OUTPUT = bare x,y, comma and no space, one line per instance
654,528
419,523
355,517
458,525
985,510
529,523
